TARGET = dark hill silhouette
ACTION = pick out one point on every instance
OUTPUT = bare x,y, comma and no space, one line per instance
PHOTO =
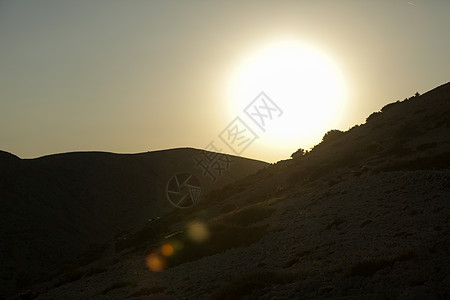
55,207
363,215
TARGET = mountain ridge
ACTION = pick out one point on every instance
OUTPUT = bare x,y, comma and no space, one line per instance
55,207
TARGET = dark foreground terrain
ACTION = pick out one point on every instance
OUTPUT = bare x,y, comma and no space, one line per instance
364,215
58,208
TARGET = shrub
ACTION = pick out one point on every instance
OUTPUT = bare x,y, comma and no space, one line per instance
389,106
373,116
299,153
332,135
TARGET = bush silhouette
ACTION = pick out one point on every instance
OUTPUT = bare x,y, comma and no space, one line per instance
373,116
299,153
332,135
390,105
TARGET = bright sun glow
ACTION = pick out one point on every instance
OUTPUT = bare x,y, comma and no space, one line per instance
302,81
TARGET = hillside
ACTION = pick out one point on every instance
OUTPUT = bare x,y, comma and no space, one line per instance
363,215
56,207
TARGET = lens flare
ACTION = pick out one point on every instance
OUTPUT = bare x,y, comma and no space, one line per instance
177,245
155,262
167,249
198,231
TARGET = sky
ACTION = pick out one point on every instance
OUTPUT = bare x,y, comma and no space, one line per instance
137,76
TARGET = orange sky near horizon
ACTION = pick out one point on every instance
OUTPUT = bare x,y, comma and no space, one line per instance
131,77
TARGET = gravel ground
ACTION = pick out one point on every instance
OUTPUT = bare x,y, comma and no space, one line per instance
376,236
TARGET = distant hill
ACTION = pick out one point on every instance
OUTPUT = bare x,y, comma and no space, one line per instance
55,207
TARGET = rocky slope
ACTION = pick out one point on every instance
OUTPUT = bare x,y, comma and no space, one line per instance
364,215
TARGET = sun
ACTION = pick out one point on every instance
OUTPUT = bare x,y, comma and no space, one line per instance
303,81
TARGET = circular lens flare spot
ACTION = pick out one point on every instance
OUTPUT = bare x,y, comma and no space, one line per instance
198,231
167,250
155,262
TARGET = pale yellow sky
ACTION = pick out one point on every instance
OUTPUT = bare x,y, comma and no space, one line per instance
134,76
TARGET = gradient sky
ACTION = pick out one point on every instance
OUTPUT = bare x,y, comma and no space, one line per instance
135,76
